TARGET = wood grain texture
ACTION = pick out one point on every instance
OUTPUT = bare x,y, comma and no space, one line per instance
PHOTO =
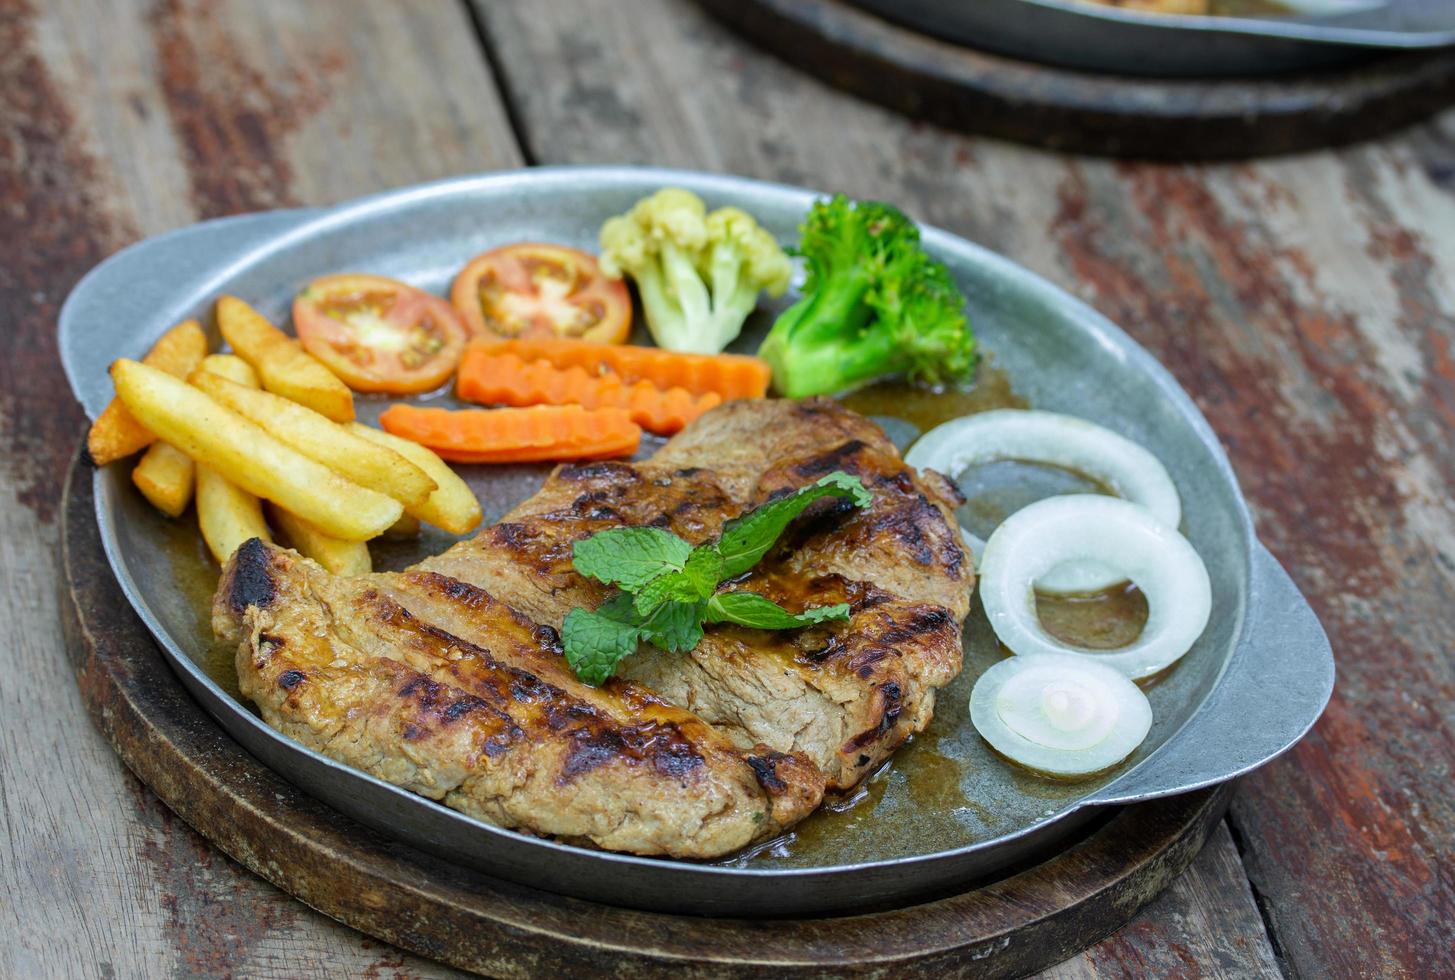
1306,303
119,120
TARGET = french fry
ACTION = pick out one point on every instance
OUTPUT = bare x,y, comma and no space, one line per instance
338,556
245,454
115,433
406,527
283,366
228,366
453,506
227,515
164,476
351,457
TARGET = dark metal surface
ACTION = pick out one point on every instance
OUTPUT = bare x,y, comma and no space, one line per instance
1087,35
1083,111
1251,687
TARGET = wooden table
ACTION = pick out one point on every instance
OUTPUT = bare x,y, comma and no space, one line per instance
1306,304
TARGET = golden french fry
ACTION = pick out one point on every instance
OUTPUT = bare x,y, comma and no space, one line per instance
228,366
245,454
453,506
406,527
227,515
283,366
164,476
364,462
115,433
338,556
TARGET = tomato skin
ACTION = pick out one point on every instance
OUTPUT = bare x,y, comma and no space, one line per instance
534,290
379,334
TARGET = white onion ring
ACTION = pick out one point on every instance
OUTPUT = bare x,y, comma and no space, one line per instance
1129,470
1061,714
1118,533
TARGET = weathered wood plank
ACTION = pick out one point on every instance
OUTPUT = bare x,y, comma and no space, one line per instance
1204,925
124,119
1307,303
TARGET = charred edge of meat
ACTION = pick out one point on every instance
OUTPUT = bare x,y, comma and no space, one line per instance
290,679
942,486
765,767
477,599
893,700
252,577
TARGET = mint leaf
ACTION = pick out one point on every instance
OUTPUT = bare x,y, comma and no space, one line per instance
630,556
675,627
670,588
751,609
745,540
695,582
595,642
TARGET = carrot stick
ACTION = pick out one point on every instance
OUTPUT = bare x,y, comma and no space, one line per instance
504,379
516,435
728,375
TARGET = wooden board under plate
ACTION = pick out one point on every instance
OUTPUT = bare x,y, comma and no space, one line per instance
1087,112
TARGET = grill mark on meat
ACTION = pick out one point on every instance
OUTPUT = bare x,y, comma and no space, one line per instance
251,580
838,458
906,524
596,738
927,619
662,744
457,704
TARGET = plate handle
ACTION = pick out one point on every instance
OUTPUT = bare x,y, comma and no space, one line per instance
135,287
1275,687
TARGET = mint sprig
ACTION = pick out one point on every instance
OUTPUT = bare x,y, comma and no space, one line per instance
669,588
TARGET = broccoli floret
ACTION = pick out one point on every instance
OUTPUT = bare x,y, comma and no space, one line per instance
698,274
874,304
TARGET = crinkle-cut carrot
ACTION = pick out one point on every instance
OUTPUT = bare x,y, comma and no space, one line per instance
504,379
516,435
728,375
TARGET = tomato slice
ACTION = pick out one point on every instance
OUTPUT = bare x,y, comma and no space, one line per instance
533,290
379,334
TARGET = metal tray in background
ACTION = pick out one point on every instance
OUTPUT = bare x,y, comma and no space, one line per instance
1253,684
1129,42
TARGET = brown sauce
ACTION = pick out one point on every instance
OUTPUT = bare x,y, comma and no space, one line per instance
1100,621
1248,8
926,407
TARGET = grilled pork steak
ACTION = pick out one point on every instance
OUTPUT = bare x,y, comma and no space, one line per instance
844,694
435,686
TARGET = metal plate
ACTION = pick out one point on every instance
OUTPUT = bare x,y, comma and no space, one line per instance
1251,687
1087,35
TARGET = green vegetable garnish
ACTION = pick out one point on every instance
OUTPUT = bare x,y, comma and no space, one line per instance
699,274
669,588
874,304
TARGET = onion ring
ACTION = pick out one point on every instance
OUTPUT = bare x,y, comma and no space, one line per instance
1128,469
1061,714
1117,533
